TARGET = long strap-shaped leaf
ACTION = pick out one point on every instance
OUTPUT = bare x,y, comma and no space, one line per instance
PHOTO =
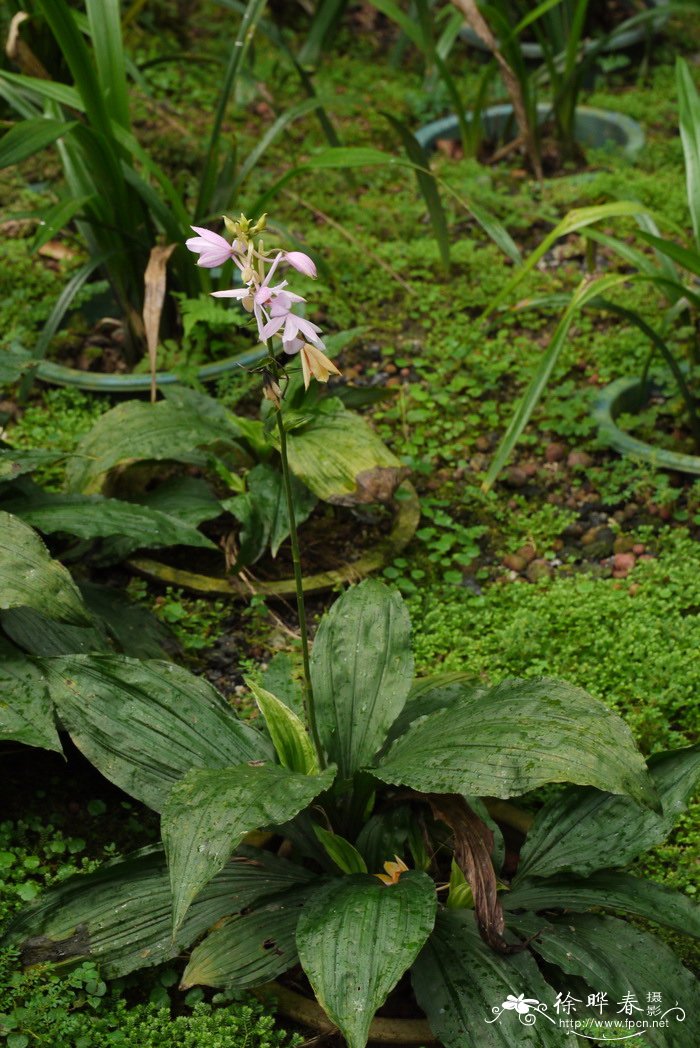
246,32
585,292
689,113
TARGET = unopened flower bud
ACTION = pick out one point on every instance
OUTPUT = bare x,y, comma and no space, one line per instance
271,389
301,262
260,225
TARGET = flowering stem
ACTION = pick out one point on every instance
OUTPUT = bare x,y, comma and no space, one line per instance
301,611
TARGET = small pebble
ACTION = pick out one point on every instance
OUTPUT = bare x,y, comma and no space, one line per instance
539,569
579,458
555,452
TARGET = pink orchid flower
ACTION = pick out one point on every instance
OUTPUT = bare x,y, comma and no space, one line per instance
213,249
301,262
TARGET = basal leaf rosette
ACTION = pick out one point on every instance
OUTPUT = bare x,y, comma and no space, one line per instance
379,855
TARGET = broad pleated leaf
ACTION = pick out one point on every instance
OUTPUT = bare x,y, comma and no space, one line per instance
289,736
458,981
429,694
582,830
26,709
618,892
135,431
29,577
262,511
361,671
38,635
16,461
145,724
611,955
210,811
356,937
519,735
135,629
121,915
253,947
340,458
92,516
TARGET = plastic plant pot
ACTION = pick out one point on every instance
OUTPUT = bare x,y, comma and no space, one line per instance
593,128
403,528
627,396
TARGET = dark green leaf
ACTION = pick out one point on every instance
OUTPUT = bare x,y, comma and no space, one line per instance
38,635
92,516
121,915
15,461
361,671
609,891
135,431
356,937
137,632
209,812
145,724
614,957
429,694
29,137
253,947
458,981
518,735
262,511
26,709
582,830
30,578
340,458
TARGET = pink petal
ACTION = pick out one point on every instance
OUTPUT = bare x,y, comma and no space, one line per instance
293,346
239,293
214,238
301,262
271,328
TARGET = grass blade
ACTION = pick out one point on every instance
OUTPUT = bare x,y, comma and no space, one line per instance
29,137
427,185
106,36
689,113
585,292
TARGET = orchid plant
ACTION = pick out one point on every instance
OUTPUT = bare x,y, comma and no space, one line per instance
365,808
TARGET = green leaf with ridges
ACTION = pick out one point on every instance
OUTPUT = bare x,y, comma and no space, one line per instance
615,957
29,577
210,811
135,432
458,980
92,516
251,948
26,709
341,459
619,892
120,916
582,830
356,937
361,672
289,736
146,724
519,735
